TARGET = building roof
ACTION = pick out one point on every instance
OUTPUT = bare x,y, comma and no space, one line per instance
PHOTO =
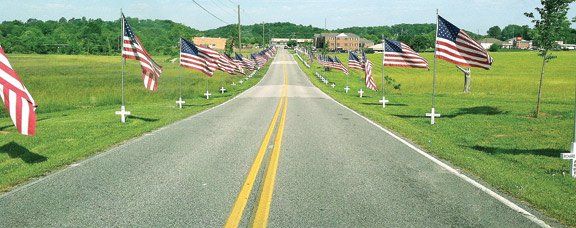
336,35
365,41
491,41
377,47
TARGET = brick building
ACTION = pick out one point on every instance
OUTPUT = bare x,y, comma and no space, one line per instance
214,43
339,41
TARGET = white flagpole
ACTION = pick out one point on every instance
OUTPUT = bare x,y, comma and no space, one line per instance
384,101
433,114
350,71
121,55
123,113
180,101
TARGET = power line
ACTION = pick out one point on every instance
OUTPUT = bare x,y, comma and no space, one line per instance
211,13
226,9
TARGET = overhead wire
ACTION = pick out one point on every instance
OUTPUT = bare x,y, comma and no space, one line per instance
210,13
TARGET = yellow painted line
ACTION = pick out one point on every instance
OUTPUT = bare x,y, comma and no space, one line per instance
240,204
262,210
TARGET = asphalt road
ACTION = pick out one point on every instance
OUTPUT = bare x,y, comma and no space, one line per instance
335,169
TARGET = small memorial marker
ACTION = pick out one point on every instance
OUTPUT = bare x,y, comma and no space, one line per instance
123,113
347,88
383,101
361,92
222,89
180,102
233,84
241,82
571,156
432,115
333,85
207,94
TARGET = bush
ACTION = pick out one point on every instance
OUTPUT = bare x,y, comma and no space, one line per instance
494,47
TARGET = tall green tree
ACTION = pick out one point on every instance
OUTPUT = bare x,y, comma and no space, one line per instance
553,25
495,32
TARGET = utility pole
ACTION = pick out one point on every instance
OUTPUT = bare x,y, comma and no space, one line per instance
263,40
239,31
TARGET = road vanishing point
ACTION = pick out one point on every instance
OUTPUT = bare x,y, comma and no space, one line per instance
282,154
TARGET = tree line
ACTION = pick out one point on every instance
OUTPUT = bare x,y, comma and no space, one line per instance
98,37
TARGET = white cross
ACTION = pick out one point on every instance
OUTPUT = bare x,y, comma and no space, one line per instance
333,85
241,82
326,81
180,102
432,115
222,89
361,92
383,101
233,84
347,88
246,79
123,112
207,94
571,156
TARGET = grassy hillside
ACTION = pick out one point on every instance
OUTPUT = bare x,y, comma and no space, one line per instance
490,132
77,98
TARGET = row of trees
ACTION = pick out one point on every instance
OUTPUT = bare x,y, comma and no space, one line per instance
88,36
95,36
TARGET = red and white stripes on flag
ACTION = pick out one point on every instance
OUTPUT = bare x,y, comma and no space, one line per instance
133,49
16,97
354,61
369,79
339,66
456,46
198,57
398,54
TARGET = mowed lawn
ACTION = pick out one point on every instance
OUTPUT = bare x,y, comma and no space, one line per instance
490,132
78,97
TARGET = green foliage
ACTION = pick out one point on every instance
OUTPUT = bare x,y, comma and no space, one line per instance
292,43
553,24
494,47
495,32
390,81
89,36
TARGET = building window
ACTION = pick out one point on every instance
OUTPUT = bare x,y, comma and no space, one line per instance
331,44
345,38
346,45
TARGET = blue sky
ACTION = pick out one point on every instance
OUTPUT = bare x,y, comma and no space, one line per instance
472,15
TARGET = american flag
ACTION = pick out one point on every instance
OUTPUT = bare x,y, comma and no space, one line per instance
399,54
339,66
456,46
354,61
369,79
198,57
133,49
230,65
320,59
330,62
16,97
225,64
248,64
260,60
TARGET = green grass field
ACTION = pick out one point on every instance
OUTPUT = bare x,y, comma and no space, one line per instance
78,97
490,132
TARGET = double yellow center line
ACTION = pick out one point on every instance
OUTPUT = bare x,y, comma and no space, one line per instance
262,208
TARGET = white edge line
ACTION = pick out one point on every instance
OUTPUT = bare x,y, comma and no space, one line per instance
29,183
498,197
